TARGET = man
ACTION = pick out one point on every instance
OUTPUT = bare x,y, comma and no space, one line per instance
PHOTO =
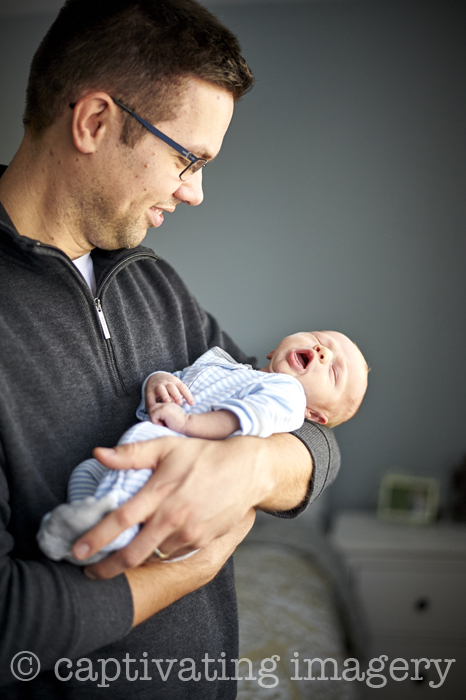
86,314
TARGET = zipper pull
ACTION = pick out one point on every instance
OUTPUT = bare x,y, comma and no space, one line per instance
102,320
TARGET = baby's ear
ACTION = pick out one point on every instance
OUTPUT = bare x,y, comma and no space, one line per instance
270,355
315,416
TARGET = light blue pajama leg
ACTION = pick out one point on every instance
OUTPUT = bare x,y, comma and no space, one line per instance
93,492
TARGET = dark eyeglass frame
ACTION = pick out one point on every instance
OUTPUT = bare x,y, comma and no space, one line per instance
195,162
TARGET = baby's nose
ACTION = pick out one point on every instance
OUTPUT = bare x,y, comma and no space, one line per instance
323,353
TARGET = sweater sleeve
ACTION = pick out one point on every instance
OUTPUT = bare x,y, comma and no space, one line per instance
52,609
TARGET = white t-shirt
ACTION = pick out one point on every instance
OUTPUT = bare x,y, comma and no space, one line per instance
86,268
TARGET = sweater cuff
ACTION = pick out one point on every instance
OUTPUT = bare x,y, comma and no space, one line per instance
104,608
321,443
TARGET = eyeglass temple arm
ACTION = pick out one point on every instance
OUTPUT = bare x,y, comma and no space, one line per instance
187,154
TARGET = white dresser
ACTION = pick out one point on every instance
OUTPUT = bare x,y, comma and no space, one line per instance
411,581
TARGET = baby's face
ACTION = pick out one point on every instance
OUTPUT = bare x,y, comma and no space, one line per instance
331,369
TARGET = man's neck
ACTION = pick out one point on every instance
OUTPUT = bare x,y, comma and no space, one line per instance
34,192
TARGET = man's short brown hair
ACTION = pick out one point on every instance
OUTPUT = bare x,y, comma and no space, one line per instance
139,51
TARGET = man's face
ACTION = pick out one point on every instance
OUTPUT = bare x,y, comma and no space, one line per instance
330,368
132,188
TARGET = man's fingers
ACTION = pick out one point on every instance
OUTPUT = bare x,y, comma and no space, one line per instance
115,564
135,511
170,540
152,535
134,455
181,506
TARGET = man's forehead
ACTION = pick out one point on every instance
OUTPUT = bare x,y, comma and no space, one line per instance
201,117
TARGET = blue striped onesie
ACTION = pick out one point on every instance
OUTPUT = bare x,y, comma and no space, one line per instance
265,403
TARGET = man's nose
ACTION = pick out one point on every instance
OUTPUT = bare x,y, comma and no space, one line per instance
191,192
324,354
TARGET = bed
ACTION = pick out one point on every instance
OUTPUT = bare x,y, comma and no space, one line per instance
294,602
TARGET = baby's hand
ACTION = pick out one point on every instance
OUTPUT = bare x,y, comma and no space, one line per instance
171,415
164,387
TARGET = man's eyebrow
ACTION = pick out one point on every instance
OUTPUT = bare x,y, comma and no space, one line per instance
207,156
202,152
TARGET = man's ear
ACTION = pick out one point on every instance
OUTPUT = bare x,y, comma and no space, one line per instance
315,416
270,355
93,116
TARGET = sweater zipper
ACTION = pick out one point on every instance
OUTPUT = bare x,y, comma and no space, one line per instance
105,282
101,316
113,367
102,319
119,266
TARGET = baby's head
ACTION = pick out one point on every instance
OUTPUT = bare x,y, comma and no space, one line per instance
331,369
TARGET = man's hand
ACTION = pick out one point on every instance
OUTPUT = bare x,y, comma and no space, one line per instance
156,584
200,489
166,388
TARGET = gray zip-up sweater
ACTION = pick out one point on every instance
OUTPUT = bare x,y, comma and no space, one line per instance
70,380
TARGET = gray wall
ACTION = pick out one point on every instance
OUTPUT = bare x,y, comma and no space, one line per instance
337,202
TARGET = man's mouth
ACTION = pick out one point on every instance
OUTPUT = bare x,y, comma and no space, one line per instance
156,215
161,211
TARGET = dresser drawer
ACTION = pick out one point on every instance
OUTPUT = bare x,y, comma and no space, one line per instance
423,603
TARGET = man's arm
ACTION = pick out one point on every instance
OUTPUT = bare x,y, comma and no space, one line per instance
199,490
54,611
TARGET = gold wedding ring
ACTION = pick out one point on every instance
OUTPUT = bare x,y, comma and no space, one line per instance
160,554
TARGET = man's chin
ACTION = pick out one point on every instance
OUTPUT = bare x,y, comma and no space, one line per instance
126,240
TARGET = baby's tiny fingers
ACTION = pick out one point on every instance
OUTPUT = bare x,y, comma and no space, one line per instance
174,393
163,394
187,395
156,414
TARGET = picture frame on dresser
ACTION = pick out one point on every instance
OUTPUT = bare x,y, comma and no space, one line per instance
410,499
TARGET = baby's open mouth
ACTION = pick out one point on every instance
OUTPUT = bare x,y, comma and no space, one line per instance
304,358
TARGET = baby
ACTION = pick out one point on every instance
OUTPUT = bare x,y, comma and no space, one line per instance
320,376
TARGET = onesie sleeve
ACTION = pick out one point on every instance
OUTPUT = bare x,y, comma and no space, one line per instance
272,404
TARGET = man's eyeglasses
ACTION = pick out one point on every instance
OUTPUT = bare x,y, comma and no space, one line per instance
195,164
